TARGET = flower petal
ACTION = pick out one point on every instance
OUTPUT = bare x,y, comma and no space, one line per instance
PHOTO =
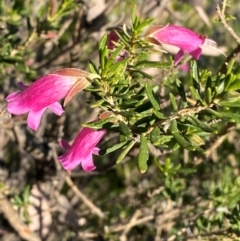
22,86
64,144
87,164
81,84
12,96
56,108
69,163
196,53
34,118
96,150
16,107
178,56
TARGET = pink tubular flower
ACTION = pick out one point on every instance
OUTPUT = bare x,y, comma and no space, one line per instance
45,93
82,149
183,38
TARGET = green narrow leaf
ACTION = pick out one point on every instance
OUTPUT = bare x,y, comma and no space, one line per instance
183,142
133,17
18,201
229,103
92,67
155,134
148,76
173,102
103,43
181,92
194,71
202,125
235,85
98,124
103,51
230,66
179,137
208,95
97,103
158,139
204,75
195,78
152,64
123,38
113,148
195,140
228,81
26,194
150,94
145,23
114,55
26,216
125,151
135,25
143,155
219,83
117,68
209,82
125,31
195,93
93,89
159,115
144,120
124,129
231,96
164,139
103,59
143,107
232,117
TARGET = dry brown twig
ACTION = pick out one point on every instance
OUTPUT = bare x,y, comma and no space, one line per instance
220,140
130,224
236,51
222,17
84,198
14,220
76,190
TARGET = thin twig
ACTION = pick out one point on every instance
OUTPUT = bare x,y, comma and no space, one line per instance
137,222
75,189
85,200
220,140
224,3
130,224
14,220
162,7
222,18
